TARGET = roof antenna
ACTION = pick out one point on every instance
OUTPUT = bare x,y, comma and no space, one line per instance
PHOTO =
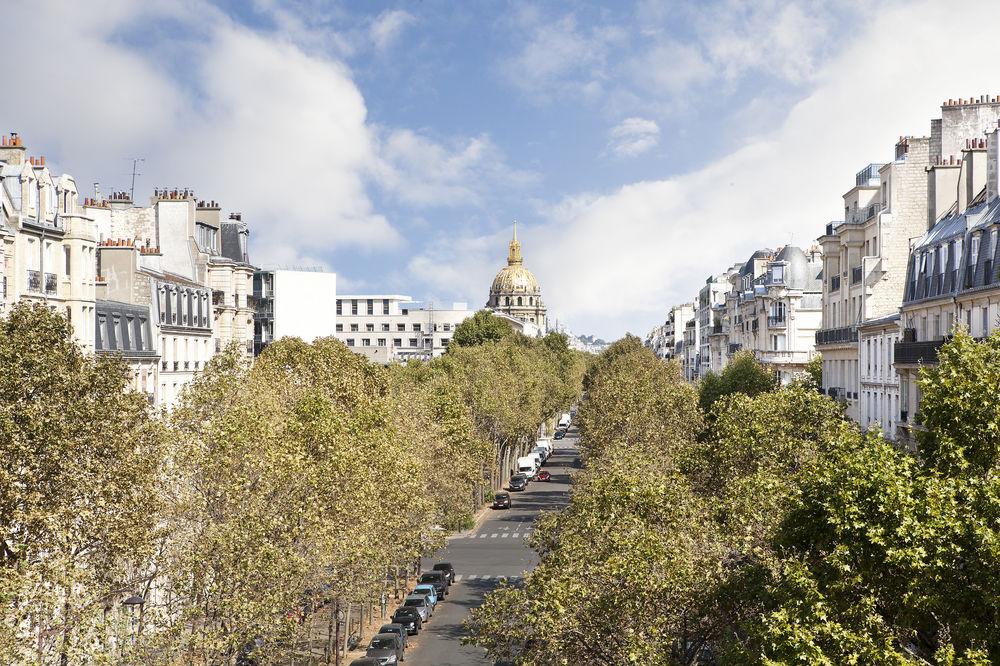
135,172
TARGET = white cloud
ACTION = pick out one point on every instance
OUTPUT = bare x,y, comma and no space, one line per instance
422,172
614,261
257,123
388,26
557,57
633,136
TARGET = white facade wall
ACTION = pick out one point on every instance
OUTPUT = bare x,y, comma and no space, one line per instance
304,304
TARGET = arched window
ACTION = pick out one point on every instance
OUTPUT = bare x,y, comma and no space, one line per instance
519,300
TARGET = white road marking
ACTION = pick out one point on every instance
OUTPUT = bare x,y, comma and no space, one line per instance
517,534
493,536
483,536
458,578
472,577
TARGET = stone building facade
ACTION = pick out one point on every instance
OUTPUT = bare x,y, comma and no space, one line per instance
47,243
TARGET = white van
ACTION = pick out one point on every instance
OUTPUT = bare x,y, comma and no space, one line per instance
527,466
565,420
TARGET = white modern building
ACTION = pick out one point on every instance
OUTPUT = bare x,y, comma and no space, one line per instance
389,328
296,303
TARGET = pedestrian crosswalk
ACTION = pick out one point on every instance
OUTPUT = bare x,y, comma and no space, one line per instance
469,578
503,533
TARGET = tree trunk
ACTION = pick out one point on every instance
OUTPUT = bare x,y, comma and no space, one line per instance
336,639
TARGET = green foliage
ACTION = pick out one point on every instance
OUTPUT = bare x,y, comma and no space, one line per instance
744,374
270,488
814,372
778,534
78,491
481,328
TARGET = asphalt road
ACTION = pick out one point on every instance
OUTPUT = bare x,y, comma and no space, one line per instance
483,556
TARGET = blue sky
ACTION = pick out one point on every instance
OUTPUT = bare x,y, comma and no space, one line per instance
641,145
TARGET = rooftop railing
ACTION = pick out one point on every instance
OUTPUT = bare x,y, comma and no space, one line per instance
829,336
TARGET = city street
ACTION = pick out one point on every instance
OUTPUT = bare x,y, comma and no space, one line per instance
484,556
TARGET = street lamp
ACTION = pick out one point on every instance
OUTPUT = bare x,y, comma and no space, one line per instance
131,604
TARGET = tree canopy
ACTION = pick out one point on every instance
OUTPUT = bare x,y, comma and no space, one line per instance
773,532
481,328
271,491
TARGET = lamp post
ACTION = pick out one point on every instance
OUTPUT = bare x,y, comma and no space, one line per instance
131,604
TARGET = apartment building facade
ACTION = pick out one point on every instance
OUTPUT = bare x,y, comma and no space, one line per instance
47,243
191,270
667,339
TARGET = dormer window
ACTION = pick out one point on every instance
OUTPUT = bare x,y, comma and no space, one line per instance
974,249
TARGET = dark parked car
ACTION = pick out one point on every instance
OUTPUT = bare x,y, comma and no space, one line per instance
438,579
365,661
518,482
560,433
397,629
446,568
387,648
501,501
409,618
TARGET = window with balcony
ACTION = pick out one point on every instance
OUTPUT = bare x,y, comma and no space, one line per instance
381,342
354,328
370,328
413,342
397,342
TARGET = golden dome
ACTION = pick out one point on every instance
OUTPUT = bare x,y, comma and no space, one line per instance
514,278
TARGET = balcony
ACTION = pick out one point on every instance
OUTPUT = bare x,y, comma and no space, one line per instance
834,336
856,275
734,347
776,321
835,283
35,282
869,176
51,283
914,353
218,297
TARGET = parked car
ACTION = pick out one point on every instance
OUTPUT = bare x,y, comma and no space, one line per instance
365,661
518,482
560,434
438,579
447,569
387,648
409,618
544,476
429,593
501,501
419,602
393,628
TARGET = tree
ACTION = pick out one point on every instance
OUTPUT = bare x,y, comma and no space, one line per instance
78,492
743,374
481,328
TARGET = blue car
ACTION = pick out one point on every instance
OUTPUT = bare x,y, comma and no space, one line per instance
428,591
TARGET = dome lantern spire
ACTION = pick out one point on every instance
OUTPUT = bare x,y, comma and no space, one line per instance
514,255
